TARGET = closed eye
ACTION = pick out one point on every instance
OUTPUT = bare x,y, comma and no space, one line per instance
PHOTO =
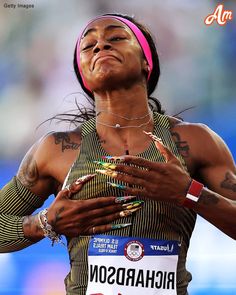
111,39
87,47
117,38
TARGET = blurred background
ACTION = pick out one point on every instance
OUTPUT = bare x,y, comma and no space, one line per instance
198,68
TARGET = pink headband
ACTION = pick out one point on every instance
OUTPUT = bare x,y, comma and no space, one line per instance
138,34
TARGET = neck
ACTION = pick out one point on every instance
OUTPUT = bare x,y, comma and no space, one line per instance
123,107
129,110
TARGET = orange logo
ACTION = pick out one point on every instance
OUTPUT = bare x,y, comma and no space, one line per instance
220,15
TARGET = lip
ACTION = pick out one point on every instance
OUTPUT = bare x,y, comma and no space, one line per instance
100,57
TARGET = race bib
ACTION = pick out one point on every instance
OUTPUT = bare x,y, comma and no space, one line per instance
132,266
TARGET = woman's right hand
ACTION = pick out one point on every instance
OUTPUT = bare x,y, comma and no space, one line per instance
87,217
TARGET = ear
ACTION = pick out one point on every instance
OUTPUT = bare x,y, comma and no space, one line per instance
146,67
145,64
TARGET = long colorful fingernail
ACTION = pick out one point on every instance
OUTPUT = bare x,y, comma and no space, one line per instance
107,172
119,158
128,212
84,178
120,186
68,187
159,145
132,205
121,225
106,165
124,199
153,137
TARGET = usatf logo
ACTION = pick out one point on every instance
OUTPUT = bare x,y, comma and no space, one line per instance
134,250
166,248
220,15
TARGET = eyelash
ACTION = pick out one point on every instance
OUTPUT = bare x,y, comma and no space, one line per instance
110,39
116,38
88,46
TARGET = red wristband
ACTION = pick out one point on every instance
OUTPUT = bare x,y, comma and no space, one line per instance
193,193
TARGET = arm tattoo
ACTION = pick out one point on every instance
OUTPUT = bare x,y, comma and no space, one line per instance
182,146
229,182
208,198
28,173
30,223
31,228
65,141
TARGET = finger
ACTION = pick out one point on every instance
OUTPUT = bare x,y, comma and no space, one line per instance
63,194
90,204
132,179
107,214
82,218
107,227
103,216
128,159
75,186
138,178
104,204
124,169
124,199
147,174
139,192
165,152
107,220
141,162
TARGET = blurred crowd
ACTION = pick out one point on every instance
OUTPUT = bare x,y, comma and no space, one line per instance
37,81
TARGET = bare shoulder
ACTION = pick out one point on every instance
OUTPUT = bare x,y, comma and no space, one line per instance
58,145
196,133
202,145
47,162
190,129
65,141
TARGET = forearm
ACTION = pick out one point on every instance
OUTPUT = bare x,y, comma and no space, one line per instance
219,211
31,228
16,203
18,232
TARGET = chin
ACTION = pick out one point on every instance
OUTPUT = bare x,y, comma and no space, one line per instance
111,77
107,75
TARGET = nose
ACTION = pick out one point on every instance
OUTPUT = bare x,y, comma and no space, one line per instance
102,45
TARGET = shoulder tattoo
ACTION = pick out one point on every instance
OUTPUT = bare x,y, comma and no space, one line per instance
28,173
181,145
229,182
65,141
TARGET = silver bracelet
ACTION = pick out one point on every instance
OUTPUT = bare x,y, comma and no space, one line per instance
47,228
